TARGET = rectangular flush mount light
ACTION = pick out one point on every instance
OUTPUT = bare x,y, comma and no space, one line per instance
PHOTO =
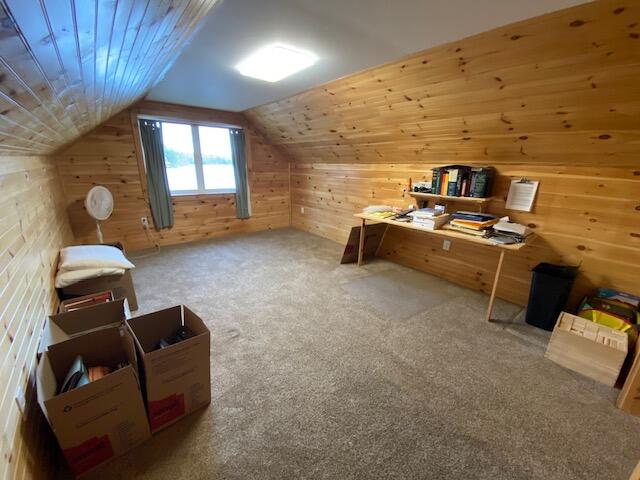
275,62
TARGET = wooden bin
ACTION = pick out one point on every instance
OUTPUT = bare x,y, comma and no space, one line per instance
593,350
629,398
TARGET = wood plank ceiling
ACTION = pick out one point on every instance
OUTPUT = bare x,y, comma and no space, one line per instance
69,65
560,88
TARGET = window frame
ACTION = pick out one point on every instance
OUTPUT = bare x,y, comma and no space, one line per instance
197,154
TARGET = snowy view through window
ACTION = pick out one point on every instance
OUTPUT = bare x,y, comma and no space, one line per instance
180,159
216,159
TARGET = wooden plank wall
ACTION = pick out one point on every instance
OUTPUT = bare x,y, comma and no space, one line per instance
33,227
68,66
554,98
107,156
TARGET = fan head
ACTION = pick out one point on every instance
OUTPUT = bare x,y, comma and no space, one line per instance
99,203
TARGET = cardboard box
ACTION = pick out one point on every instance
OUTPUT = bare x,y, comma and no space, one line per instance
121,285
373,239
85,301
594,350
103,419
62,308
63,326
177,378
629,398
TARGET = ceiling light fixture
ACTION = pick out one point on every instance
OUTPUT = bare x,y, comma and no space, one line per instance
275,62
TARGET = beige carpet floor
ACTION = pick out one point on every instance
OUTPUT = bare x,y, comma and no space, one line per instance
315,375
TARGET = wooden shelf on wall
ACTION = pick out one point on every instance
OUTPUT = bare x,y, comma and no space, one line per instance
430,196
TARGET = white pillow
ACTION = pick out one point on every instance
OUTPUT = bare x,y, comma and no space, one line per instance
64,278
92,256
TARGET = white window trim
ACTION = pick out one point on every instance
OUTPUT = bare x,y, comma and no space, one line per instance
197,155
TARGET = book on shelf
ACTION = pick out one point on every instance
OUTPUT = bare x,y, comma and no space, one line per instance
452,184
462,181
481,181
464,189
462,178
436,178
444,182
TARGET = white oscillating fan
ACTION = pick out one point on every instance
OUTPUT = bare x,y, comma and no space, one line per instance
99,204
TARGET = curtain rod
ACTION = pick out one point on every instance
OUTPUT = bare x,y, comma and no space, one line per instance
186,121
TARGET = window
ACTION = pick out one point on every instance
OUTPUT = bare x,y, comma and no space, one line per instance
198,159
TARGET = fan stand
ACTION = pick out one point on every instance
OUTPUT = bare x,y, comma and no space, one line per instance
99,232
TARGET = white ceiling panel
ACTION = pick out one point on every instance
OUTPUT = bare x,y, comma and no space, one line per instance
346,35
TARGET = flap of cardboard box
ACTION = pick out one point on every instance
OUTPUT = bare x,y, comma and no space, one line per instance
63,326
122,285
193,322
149,329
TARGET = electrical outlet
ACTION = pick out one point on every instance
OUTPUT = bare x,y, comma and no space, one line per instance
446,245
302,210
144,221
21,400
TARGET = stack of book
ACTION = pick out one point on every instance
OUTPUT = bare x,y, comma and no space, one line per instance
472,223
462,181
429,218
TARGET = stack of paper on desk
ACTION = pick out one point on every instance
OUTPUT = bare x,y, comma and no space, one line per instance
430,223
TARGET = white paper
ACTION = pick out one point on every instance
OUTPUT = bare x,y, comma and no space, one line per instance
521,195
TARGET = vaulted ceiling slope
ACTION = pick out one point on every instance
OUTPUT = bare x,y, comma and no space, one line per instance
66,66
347,36
559,88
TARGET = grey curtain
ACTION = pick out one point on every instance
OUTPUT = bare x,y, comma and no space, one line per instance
238,154
157,183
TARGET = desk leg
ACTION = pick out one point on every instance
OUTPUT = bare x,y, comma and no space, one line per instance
635,475
361,244
494,289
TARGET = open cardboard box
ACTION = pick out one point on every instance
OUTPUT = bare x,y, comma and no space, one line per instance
85,301
103,419
121,285
177,378
63,326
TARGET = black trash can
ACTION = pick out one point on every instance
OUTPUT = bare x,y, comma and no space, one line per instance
550,287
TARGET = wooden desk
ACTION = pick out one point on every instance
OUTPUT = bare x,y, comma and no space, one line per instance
446,234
